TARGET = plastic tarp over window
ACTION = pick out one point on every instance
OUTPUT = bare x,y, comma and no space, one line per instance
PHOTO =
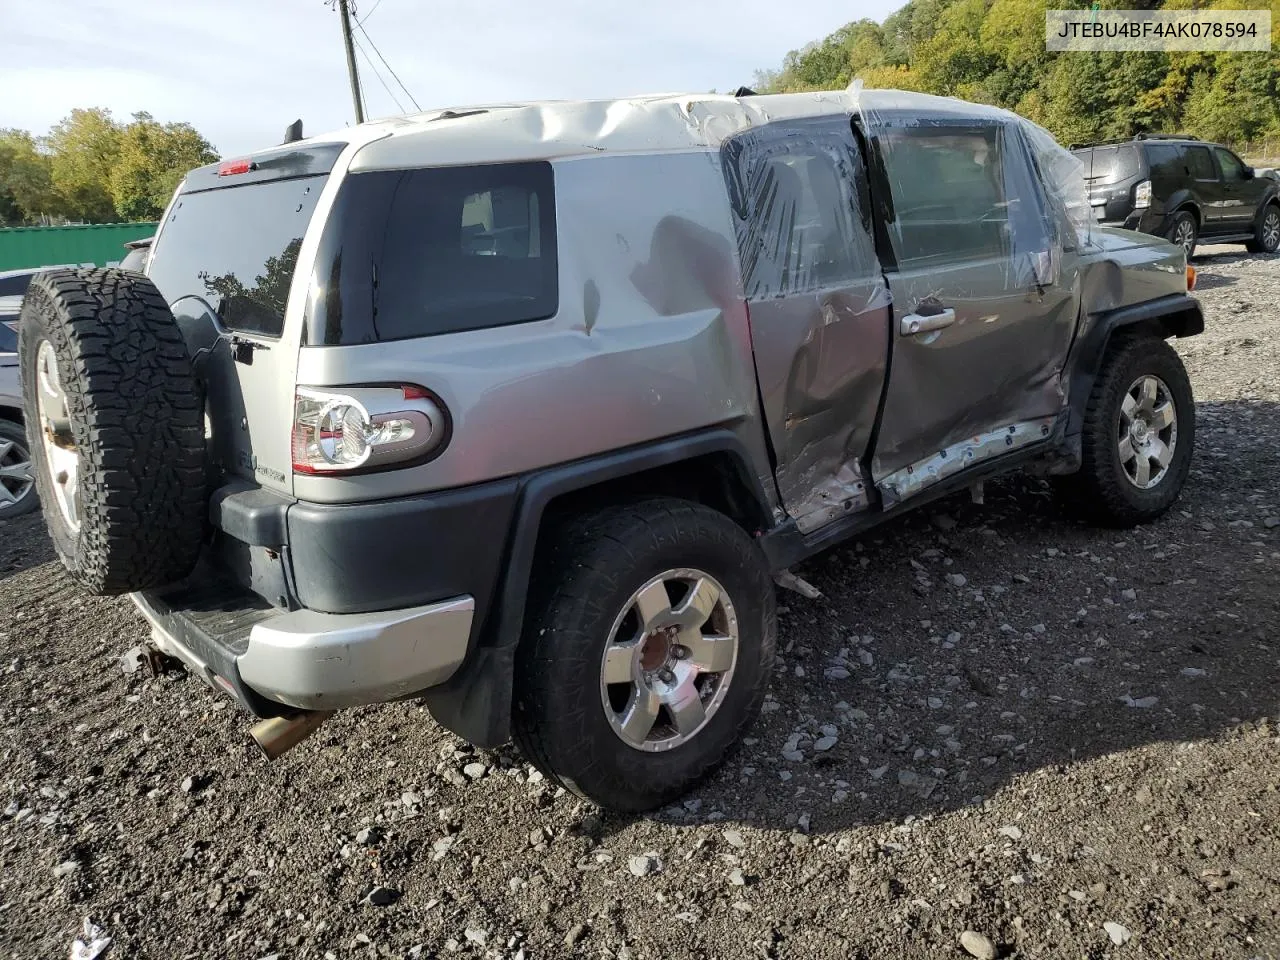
801,225
968,181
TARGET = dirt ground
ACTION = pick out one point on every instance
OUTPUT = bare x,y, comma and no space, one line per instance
1074,745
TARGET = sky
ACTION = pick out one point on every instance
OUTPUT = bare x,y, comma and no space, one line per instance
241,71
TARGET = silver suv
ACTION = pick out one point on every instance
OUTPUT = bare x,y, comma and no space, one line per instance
522,409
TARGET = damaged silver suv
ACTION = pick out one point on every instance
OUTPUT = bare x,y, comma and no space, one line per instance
521,409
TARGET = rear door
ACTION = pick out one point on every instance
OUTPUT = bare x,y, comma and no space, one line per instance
224,259
818,304
984,305
1206,185
1240,195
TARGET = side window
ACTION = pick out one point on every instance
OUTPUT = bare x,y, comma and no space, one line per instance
801,225
1201,164
1232,168
949,196
1166,162
415,253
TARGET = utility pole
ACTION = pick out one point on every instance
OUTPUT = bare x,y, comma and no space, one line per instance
351,59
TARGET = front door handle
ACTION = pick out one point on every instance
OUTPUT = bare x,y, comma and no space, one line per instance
914,323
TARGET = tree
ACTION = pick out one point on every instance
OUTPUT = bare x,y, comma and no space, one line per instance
26,180
83,149
152,159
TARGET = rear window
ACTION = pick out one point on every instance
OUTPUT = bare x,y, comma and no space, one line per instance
236,249
1201,164
1111,163
415,253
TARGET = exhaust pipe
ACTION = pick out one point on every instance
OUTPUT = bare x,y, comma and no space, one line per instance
277,735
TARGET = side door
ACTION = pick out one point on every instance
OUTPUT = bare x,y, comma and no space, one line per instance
1207,187
984,300
1240,194
818,304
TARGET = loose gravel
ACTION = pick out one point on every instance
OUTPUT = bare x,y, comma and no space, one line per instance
999,734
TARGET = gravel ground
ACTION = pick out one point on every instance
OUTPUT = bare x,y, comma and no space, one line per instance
997,721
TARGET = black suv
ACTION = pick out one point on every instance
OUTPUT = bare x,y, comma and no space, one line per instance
1182,189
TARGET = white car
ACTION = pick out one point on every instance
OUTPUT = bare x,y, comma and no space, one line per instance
17,483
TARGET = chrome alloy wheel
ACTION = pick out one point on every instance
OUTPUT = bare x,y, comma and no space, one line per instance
1184,235
16,479
669,661
1147,431
1271,230
55,436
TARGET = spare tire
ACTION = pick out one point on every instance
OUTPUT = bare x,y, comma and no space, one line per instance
116,420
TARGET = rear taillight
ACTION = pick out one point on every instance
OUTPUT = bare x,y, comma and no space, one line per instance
1142,194
365,428
233,167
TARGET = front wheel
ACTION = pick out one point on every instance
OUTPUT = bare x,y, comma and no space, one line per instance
1138,434
647,651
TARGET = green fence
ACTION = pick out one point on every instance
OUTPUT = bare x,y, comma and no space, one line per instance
97,243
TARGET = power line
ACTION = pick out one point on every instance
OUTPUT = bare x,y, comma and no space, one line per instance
387,65
374,68
371,12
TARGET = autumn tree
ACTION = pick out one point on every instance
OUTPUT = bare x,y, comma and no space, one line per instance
152,158
26,180
83,149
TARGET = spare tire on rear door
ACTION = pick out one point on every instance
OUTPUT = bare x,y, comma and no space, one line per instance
115,416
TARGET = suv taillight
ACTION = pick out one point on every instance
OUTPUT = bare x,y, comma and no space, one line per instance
364,428
1142,194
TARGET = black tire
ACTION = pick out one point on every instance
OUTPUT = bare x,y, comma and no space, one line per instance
17,497
1266,235
135,421
1184,231
1102,490
593,565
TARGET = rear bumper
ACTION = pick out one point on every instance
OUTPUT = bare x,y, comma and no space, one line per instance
270,660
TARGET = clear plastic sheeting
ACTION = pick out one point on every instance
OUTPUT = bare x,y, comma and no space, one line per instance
965,182
801,228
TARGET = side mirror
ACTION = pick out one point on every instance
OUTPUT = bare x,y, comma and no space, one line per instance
1247,173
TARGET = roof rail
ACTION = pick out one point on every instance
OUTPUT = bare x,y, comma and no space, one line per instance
1165,136
1098,143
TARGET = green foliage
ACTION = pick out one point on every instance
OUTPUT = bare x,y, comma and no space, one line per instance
993,51
151,161
26,179
91,168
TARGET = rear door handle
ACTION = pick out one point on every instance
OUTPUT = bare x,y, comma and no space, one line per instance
914,323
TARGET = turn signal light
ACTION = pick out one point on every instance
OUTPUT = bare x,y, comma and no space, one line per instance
364,428
1191,278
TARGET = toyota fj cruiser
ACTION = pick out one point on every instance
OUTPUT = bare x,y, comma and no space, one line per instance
519,409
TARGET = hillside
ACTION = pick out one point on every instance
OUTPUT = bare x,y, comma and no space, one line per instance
992,51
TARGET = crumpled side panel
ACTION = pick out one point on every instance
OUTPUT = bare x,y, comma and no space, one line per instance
819,306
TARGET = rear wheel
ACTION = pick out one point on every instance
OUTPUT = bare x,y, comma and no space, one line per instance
17,479
647,651
1139,430
1184,231
1266,237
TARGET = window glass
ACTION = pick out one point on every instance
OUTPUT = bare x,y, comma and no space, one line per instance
413,253
236,248
801,224
1167,162
1110,163
1232,169
948,189
8,334
1200,163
